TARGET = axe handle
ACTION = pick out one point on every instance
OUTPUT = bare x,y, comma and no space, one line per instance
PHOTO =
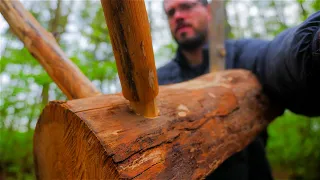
129,31
44,48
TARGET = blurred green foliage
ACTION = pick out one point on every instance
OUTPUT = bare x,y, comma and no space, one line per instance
16,154
293,145
80,29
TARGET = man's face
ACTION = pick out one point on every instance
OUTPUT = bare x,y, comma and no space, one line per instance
188,21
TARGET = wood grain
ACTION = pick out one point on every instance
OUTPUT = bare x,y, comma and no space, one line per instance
202,122
130,35
44,48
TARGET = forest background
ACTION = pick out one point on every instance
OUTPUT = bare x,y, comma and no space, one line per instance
80,29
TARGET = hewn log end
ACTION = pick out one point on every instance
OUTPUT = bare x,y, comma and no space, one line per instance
65,148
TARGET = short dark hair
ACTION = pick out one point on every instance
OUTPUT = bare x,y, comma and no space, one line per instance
203,2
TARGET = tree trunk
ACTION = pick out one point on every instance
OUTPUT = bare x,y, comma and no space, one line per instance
202,122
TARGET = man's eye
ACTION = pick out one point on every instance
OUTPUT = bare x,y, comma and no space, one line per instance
171,12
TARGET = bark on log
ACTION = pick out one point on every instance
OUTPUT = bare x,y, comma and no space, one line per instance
132,47
202,122
44,48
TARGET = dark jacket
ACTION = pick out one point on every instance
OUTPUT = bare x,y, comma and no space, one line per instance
288,68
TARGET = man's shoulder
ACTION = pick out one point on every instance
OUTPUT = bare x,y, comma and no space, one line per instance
242,52
168,73
171,65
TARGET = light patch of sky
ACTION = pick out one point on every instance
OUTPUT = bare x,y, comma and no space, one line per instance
3,24
73,34
291,14
161,33
4,79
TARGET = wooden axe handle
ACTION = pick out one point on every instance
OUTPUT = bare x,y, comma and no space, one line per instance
44,48
130,35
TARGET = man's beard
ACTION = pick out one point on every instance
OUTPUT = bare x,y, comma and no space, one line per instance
193,42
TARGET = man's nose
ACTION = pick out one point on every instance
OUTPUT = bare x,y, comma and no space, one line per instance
179,16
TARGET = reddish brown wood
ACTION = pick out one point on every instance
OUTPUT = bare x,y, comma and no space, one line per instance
202,122
44,48
130,35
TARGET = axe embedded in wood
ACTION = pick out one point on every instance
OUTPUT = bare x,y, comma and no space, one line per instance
132,47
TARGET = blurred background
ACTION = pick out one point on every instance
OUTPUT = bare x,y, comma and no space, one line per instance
79,27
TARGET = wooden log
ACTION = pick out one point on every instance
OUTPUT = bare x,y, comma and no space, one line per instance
130,35
202,122
44,48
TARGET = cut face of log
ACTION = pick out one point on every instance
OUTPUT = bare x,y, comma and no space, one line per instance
202,122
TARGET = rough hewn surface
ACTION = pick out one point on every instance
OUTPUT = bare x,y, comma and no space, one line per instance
201,123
